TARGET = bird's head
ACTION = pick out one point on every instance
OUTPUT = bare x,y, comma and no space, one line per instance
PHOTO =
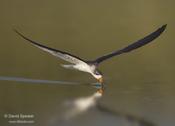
98,75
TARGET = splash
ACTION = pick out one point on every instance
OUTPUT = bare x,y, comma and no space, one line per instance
41,81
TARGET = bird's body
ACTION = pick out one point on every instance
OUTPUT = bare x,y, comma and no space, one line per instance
85,67
81,67
91,66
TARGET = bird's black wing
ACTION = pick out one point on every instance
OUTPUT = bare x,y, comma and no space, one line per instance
133,46
63,55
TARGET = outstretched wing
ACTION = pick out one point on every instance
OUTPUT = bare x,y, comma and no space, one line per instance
133,46
63,55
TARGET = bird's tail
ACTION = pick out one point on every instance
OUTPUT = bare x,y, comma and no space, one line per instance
70,66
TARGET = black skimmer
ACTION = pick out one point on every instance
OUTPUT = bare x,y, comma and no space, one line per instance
91,66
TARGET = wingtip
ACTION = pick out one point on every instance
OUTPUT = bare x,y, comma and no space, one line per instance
164,26
16,31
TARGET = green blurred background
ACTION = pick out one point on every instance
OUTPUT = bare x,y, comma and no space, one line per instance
140,83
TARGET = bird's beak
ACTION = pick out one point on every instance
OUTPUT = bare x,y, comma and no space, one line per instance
100,91
100,80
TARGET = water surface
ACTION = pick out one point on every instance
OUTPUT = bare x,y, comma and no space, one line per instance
139,84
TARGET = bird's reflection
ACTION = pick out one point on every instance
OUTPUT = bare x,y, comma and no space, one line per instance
130,120
80,106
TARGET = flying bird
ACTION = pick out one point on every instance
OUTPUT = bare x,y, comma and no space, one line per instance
92,66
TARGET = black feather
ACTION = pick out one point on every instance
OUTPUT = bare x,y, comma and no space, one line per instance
133,46
43,46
